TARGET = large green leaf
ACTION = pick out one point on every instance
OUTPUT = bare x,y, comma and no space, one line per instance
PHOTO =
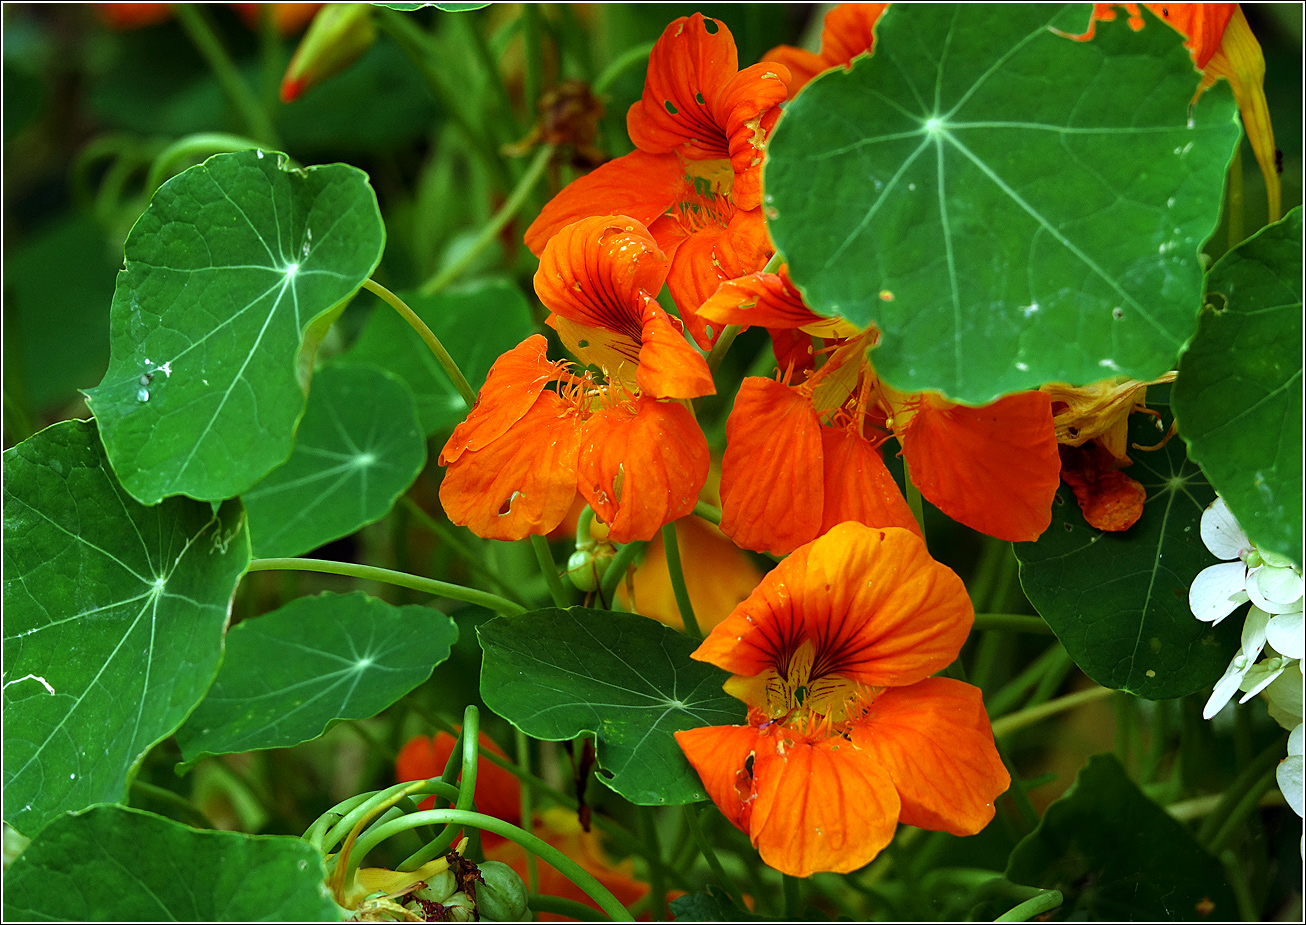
1119,601
113,864
1238,397
232,275
1009,207
476,324
113,624
359,446
292,674
556,674
1118,857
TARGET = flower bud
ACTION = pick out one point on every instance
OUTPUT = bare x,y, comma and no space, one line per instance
502,895
439,888
459,908
339,35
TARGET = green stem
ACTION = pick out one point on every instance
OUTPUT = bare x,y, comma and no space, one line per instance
1027,717
197,27
388,576
722,346
1014,622
428,336
1242,893
672,547
549,568
316,832
533,39
793,892
657,887
182,805
523,747
337,831
708,512
1006,699
913,495
491,231
1043,902
705,848
1235,205
1241,799
619,65
471,557
469,738
200,144
1018,795
537,902
559,861
617,568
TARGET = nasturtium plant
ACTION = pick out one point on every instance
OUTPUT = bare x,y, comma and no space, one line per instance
335,605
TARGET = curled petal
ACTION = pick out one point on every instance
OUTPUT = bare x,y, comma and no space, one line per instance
802,64
639,185
1201,24
515,381
1276,589
1110,499
877,608
935,741
720,756
668,366
523,483
847,33
1218,591
769,300
771,481
858,485
642,470
994,469
748,106
824,805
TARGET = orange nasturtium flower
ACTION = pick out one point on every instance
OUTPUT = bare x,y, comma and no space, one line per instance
848,31
847,732
811,449
695,178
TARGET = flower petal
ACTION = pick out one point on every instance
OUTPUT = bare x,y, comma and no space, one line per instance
720,756
1221,532
514,383
1277,586
1284,634
821,806
524,482
771,494
994,469
616,354
769,300
644,469
1285,697
858,485
1289,776
1217,591
935,740
1201,24
748,106
879,610
639,185
668,366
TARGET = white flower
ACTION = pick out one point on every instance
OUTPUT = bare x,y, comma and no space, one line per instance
1284,633
1253,641
1290,771
1284,695
1268,580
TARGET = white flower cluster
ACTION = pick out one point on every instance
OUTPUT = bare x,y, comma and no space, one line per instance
1273,626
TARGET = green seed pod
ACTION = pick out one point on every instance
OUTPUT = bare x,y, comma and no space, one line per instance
502,897
439,888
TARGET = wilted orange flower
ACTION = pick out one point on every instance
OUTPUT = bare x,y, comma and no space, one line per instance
694,180
993,468
848,734
1222,45
600,277
517,462
849,31
498,793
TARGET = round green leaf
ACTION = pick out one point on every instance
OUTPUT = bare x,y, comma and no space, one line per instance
114,864
1009,207
232,276
1118,857
476,324
555,674
1119,601
113,625
358,448
292,674
1238,397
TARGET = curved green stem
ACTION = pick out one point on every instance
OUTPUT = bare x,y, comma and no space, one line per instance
391,577
491,231
672,547
449,536
619,65
708,512
538,846
722,346
913,495
198,144
469,740
1043,902
617,567
705,848
533,40
183,806
428,337
523,746
197,27
1241,798
549,568
538,902
1015,622
365,803
1027,717
318,830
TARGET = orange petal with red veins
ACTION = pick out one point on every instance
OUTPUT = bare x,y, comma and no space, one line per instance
687,70
878,609
768,300
639,185
720,754
994,469
820,806
748,106
616,354
668,366
771,494
934,739
523,483
515,381
858,485
639,471
600,271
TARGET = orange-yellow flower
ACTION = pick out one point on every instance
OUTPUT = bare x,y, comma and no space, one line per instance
517,462
694,180
849,31
848,734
